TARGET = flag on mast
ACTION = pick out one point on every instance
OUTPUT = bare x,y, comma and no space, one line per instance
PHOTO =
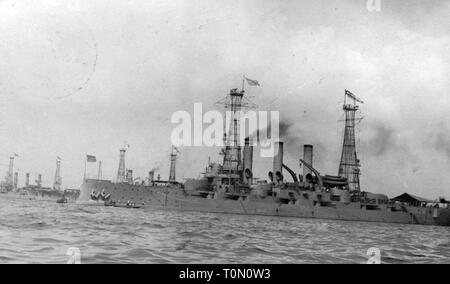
251,82
91,159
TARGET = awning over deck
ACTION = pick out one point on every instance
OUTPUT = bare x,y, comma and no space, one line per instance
409,198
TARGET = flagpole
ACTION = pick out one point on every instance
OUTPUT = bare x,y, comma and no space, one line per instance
85,161
99,170
243,82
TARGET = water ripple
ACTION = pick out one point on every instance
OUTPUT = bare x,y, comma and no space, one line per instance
42,232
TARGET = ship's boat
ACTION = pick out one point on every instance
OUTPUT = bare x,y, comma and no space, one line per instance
62,200
120,205
229,187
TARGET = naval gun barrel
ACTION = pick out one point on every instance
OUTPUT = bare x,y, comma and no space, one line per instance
278,163
248,161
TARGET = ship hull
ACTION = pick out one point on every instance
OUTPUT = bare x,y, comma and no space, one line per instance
174,198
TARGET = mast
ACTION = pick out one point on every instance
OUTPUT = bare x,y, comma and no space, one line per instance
232,166
121,175
173,158
58,181
349,166
10,172
16,181
9,182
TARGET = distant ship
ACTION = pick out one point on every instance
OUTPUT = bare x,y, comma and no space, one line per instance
229,186
36,191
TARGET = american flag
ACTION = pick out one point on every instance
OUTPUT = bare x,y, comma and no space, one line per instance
251,82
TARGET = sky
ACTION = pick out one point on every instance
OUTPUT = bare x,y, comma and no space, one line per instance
87,77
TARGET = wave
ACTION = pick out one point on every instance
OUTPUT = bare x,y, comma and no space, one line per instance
47,240
153,225
36,232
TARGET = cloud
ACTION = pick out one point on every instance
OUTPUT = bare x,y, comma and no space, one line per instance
383,140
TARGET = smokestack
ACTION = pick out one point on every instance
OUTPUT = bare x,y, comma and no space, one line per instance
151,177
27,179
39,180
10,174
16,179
130,176
308,158
278,163
248,161
100,174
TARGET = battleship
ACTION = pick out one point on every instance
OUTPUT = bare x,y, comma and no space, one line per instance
9,186
229,186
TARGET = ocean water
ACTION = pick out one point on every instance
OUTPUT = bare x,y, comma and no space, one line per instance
46,232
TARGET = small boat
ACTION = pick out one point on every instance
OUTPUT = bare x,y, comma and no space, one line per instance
121,205
62,200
